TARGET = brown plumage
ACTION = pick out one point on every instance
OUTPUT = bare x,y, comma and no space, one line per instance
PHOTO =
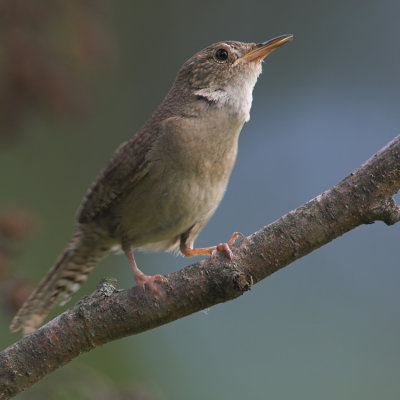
163,185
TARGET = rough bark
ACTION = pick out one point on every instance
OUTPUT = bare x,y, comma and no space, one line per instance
362,197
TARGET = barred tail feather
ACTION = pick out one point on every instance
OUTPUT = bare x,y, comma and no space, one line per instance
61,282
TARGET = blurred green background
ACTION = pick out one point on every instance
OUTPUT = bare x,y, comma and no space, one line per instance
328,326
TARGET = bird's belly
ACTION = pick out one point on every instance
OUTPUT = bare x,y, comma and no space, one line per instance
160,211
185,184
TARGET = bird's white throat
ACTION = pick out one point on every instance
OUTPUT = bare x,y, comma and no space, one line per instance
237,94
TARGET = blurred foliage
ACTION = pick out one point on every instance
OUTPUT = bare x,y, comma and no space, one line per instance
48,50
16,226
83,383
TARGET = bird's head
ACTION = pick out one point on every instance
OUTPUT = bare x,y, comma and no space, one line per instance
224,73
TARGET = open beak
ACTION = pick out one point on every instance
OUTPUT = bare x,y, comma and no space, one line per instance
263,49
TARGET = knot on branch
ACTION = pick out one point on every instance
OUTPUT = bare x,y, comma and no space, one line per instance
242,282
386,210
106,287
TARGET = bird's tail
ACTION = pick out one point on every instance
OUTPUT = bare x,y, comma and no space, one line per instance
61,282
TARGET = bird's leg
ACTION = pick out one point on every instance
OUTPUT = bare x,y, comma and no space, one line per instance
142,279
187,248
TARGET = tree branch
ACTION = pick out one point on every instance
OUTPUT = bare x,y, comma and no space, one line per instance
362,197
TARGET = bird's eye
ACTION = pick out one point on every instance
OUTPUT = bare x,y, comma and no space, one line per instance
221,55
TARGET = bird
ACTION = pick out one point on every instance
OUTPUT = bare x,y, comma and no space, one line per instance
163,184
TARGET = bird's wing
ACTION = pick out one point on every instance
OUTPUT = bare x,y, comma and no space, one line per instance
128,165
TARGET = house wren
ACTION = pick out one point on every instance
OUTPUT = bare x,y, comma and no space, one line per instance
162,186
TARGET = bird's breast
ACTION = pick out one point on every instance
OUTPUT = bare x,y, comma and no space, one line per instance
191,162
195,157
203,145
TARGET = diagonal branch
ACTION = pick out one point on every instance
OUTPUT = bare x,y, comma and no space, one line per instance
362,197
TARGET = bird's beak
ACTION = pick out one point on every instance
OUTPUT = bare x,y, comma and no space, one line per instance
263,49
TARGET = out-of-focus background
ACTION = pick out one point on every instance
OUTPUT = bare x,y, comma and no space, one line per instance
79,77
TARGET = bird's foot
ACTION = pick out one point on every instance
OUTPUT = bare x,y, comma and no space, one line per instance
142,279
211,251
149,281
226,247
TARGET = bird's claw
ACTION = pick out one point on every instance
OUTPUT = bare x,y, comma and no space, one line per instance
148,281
226,246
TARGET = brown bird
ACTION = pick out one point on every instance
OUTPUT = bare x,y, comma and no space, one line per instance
163,185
